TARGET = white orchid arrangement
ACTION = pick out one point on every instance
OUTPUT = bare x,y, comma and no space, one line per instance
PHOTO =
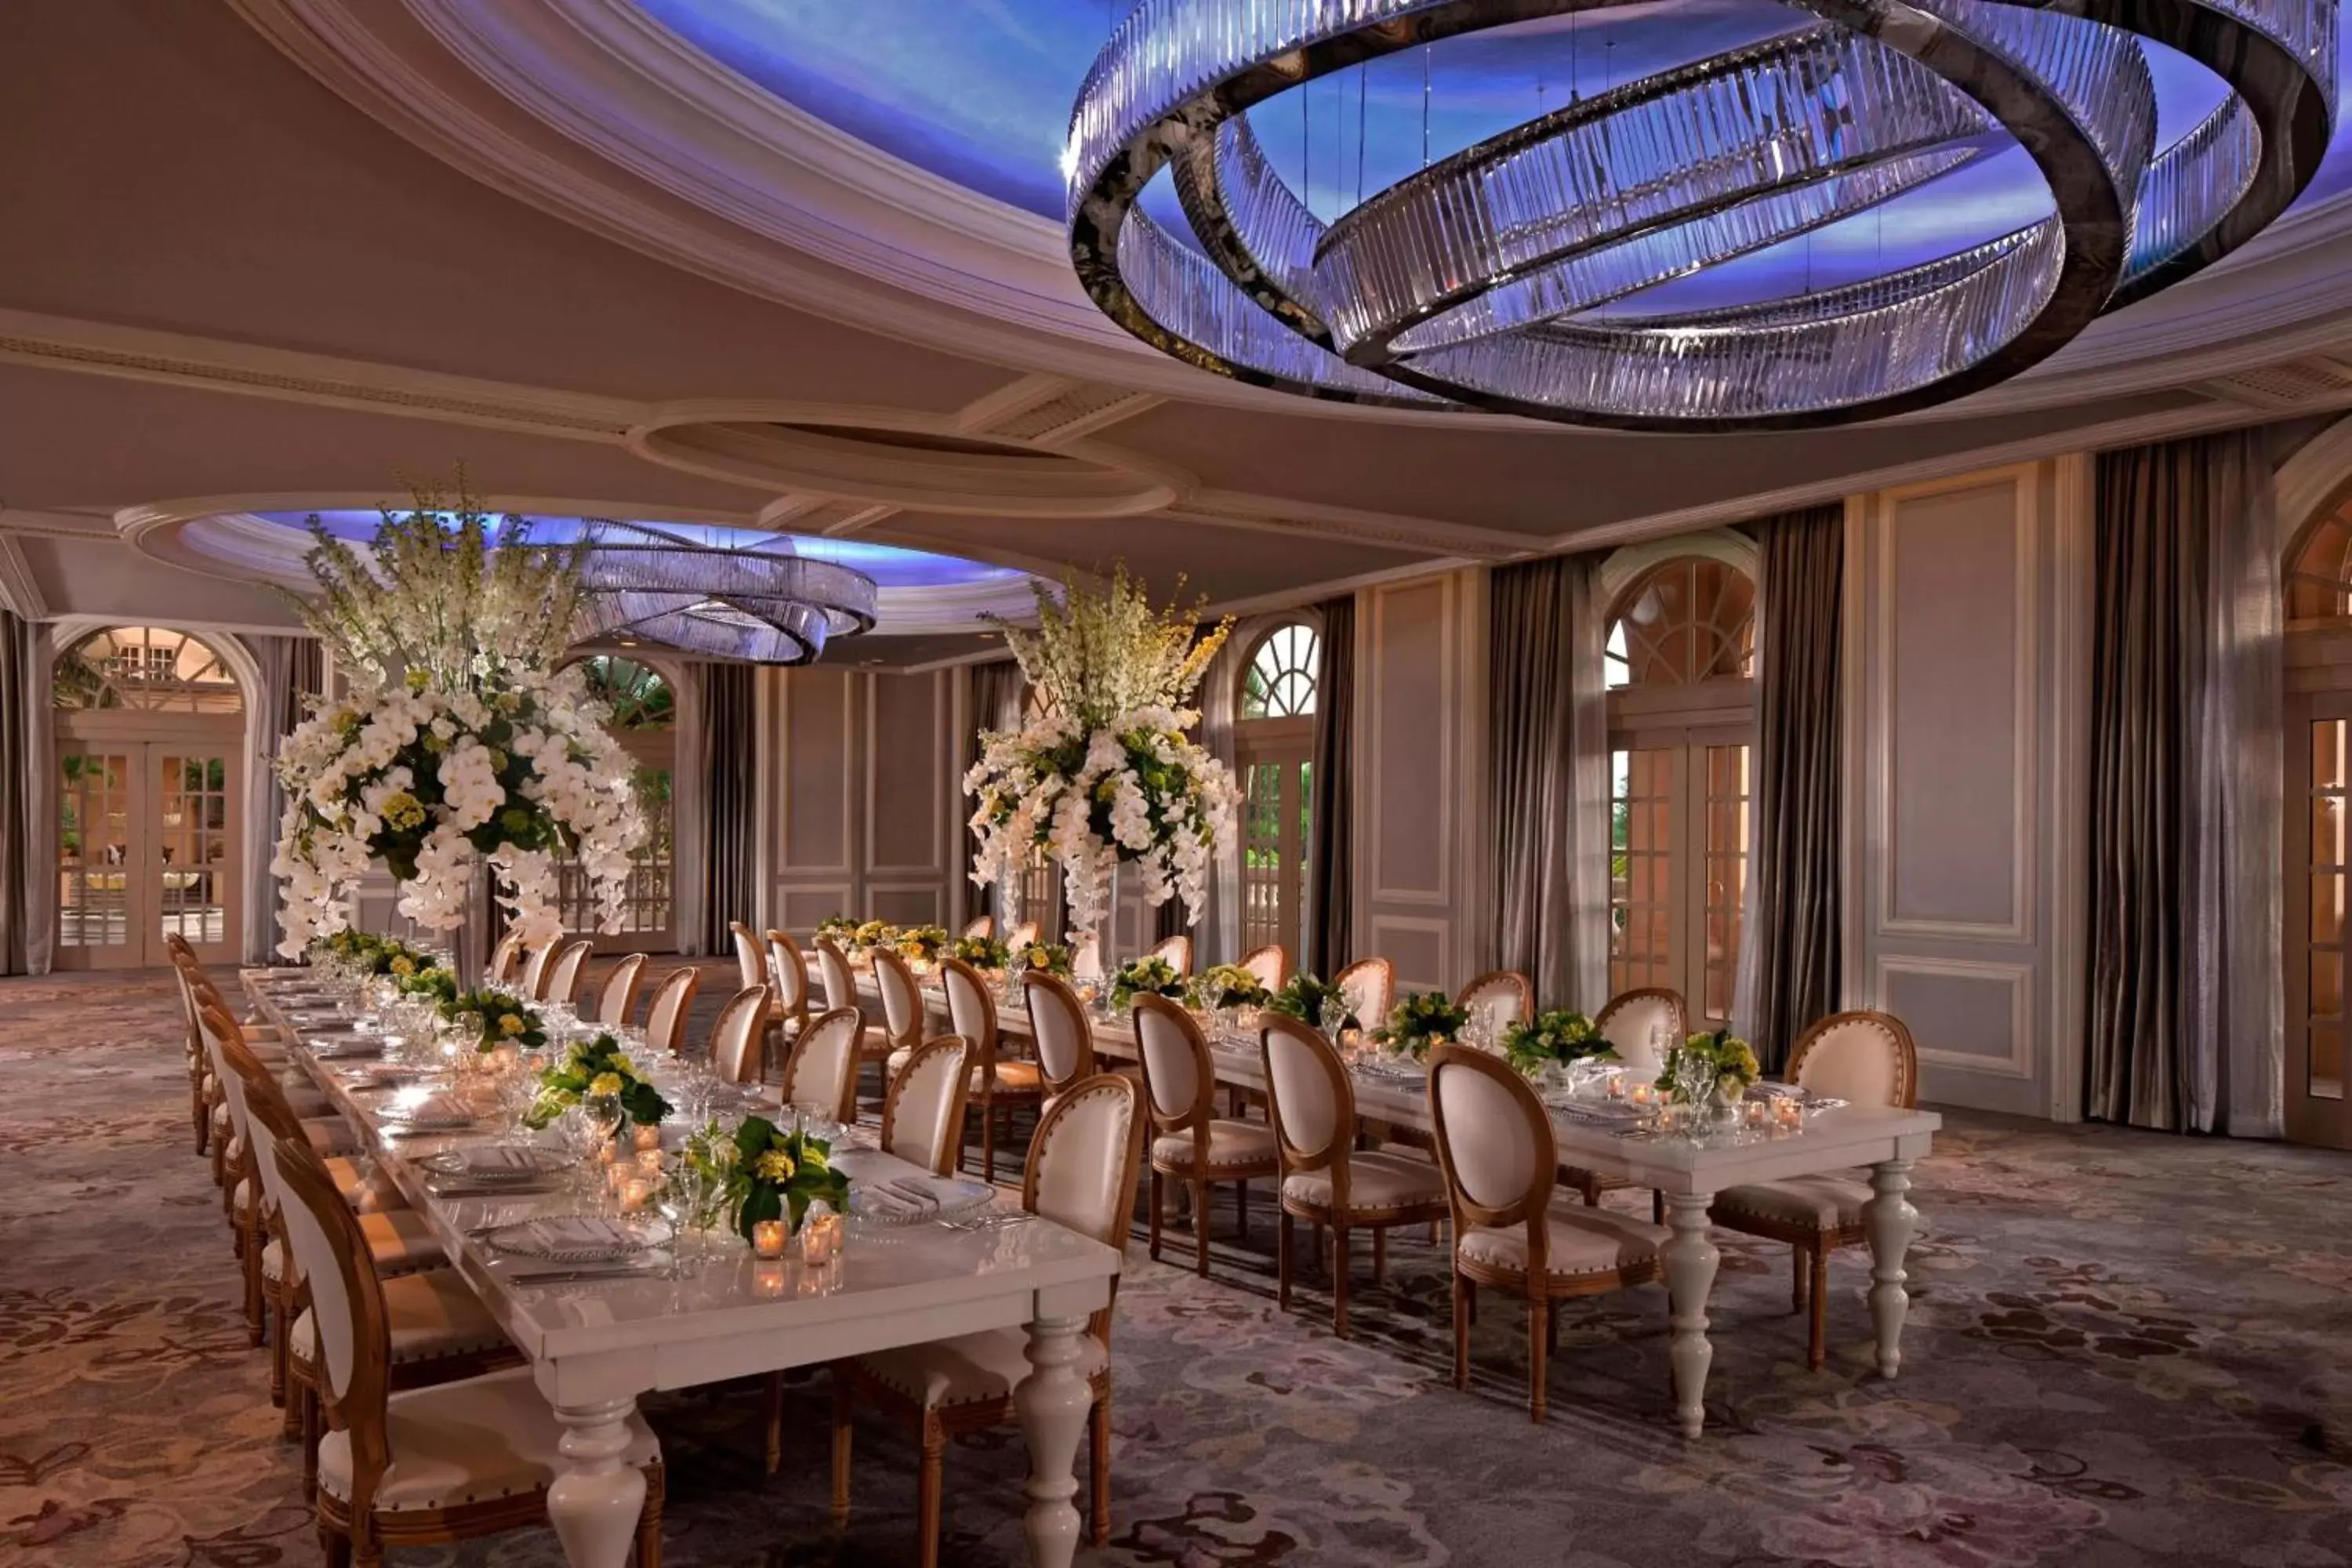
458,744
1106,775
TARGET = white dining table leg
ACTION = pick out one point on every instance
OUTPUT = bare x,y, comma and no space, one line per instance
596,1502
1690,1258
1053,1402
1890,1219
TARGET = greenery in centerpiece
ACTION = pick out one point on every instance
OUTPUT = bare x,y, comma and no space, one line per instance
435,985
836,929
501,1018
765,1173
867,935
926,944
1231,986
1422,1019
980,951
1046,958
1303,997
1732,1065
1147,977
1554,1039
385,956
596,1068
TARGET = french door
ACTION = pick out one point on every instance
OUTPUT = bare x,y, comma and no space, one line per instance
1679,827
1277,795
2319,859
148,835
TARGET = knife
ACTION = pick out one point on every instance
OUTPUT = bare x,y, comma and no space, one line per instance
575,1276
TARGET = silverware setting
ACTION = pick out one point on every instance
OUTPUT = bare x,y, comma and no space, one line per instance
581,1275
1003,1220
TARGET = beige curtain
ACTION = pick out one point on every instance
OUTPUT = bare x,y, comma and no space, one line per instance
1330,941
1789,962
1548,780
27,898
2185,1029
730,889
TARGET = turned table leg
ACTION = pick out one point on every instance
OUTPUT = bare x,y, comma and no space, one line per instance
1890,1219
1053,1403
1690,1259
596,1502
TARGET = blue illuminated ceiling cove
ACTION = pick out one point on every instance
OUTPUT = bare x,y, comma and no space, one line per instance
979,92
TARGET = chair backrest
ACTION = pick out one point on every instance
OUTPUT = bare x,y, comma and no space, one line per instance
1177,950
922,1115
737,1035
1505,996
1178,1080
833,968
535,971
1309,1101
971,1012
1370,986
788,973
183,969
1633,1017
505,959
902,999
1270,964
255,1098
219,1029
1083,1159
564,974
1066,1041
821,1069
1023,934
616,999
980,927
346,1310
673,999
751,964
1864,1056
1494,1141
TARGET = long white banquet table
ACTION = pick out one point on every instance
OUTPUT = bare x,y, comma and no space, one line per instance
594,1347
1890,1142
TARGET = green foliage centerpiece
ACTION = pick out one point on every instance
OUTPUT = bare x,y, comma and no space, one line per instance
922,944
596,1068
1720,1065
1230,985
1146,976
494,1018
1554,1039
1422,1019
984,952
767,1173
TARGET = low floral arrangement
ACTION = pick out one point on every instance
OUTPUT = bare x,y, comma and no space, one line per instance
500,1018
1231,986
835,929
1304,997
1147,977
461,742
1728,1059
867,935
1046,958
1424,1018
926,944
384,955
980,951
1554,1038
766,1172
435,985
596,1068
1104,774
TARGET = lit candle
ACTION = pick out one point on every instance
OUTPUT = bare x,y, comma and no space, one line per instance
607,1152
649,1162
644,1138
618,1177
820,1234
1754,1111
1644,1093
769,1279
1616,1090
1788,1112
635,1193
768,1237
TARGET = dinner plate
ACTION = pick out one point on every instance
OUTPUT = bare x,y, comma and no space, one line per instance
580,1238
495,1163
1395,1070
434,1113
915,1200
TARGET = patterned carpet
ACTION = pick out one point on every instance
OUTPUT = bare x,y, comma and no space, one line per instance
2122,1349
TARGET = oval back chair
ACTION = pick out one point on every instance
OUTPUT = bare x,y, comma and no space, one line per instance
820,1071
1190,1143
1631,1025
616,999
1057,1022
672,1000
922,1115
1370,986
737,1035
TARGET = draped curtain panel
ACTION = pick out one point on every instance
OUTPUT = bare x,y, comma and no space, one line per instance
1331,854
689,807
2186,1028
1790,940
1548,779
995,705
1218,938
728,823
293,671
25,894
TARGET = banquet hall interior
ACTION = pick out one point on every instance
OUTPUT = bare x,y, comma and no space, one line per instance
1175,783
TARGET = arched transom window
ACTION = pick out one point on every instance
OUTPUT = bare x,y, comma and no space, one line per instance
2319,573
1686,620
144,668
1279,680
640,698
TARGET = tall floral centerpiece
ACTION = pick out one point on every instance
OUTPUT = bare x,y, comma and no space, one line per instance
460,743
1104,775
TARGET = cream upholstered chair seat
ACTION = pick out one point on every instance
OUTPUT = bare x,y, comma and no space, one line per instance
432,1316
364,1187
1019,1076
1231,1143
400,1241
1827,1202
457,1443
970,1367
1377,1179
1577,1241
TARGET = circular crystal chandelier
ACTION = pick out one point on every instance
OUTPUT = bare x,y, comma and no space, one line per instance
1508,276
762,603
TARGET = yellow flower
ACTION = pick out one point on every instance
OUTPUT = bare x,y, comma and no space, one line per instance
775,1165
404,810
813,1160
418,679
508,1023
404,968
605,1083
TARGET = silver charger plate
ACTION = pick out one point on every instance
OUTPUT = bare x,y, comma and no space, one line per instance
952,1198
1393,1069
496,1163
580,1238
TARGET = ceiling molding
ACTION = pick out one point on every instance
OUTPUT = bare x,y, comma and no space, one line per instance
1272,515
56,524
20,591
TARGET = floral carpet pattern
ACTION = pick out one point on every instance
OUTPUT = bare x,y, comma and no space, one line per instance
2122,1348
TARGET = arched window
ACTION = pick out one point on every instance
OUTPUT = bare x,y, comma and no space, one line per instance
146,668
1680,656
1273,745
645,721
2317,588
637,694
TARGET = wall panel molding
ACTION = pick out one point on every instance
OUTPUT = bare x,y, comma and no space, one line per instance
2016,981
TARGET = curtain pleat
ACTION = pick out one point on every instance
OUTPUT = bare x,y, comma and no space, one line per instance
730,889
2185,1030
1790,951
1331,867
25,891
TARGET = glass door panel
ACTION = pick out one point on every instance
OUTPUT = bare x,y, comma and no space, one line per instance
1277,800
191,866
1641,946
96,854
2316,896
147,847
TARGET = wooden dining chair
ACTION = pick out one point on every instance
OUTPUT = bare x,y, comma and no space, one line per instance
1190,1143
788,973
1080,1175
1864,1057
998,1086
616,999
564,975
979,928
1060,1029
1505,996
673,1001
1325,1180
922,1115
1270,965
1633,1022
506,960
738,1036
420,1467
902,1010
1495,1146
751,962
1370,986
536,970
820,1071
1023,934
1177,950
